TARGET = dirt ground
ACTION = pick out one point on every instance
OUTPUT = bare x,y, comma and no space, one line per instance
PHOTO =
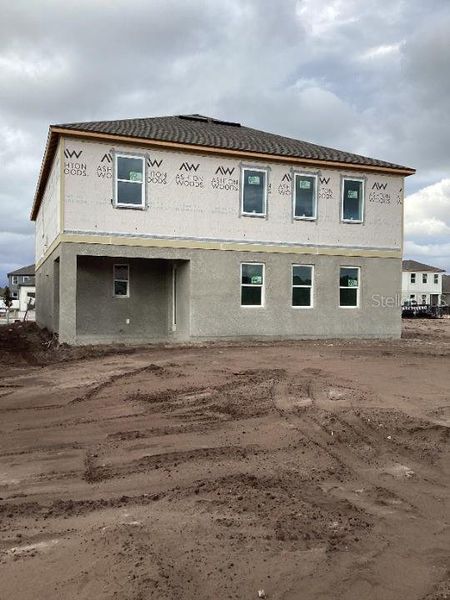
310,470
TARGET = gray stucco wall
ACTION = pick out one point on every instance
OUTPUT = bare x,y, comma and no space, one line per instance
208,296
47,292
144,314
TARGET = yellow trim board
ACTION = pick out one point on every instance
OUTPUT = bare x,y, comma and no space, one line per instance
115,240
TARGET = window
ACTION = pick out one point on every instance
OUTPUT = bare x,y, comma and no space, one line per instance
121,275
424,278
352,200
305,196
349,287
436,278
412,296
254,192
252,284
424,298
302,282
130,189
14,280
413,278
25,278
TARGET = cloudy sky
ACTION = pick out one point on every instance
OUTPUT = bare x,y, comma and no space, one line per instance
367,77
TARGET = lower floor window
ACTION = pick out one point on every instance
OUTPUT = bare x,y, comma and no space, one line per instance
349,287
252,284
302,281
121,286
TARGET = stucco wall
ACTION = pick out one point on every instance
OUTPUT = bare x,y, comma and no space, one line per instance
49,218
212,286
189,196
47,292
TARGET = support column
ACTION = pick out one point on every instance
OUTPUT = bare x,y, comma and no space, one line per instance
67,295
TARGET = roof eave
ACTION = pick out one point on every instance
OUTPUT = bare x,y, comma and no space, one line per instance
55,132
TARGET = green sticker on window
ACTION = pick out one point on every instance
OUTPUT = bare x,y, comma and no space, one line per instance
254,179
352,282
256,279
135,176
352,194
305,184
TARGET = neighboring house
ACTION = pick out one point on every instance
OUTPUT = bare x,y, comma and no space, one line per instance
22,286
446,289
421,283
190,228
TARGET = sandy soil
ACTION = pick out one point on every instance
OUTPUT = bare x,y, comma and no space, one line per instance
309,470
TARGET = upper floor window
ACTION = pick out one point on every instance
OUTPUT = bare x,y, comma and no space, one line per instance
424,278
352,200
252,284
436,278
305,196
254,192
413,278
349,287
25,278
129,184
14,280
302,282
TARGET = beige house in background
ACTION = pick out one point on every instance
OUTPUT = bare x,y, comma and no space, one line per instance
192,228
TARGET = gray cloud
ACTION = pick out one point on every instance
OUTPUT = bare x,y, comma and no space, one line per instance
366,77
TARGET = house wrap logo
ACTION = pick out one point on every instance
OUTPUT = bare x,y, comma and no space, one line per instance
72,167
189,167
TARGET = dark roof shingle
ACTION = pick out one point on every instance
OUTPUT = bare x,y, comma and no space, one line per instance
199,130
29,270
413,265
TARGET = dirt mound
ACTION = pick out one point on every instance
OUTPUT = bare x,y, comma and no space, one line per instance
27,344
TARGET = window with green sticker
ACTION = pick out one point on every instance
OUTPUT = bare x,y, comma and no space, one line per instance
254,192
352,200
129,181
305,196
349,287
302,285
252,284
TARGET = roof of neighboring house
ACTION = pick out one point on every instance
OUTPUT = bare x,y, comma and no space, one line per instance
194,132
446,284
413,265
29,270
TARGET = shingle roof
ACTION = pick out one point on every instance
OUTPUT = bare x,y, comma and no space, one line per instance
199,130
413,265
29,270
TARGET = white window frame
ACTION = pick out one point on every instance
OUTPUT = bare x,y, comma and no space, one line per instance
358,288
262,215
311,287
25,278
412,278
436,279
118,204
363,200
424,298
424,277
262,286
126,280
294,196
14,280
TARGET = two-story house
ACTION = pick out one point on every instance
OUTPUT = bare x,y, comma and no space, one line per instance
421,283
25,276
192,228
21,283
